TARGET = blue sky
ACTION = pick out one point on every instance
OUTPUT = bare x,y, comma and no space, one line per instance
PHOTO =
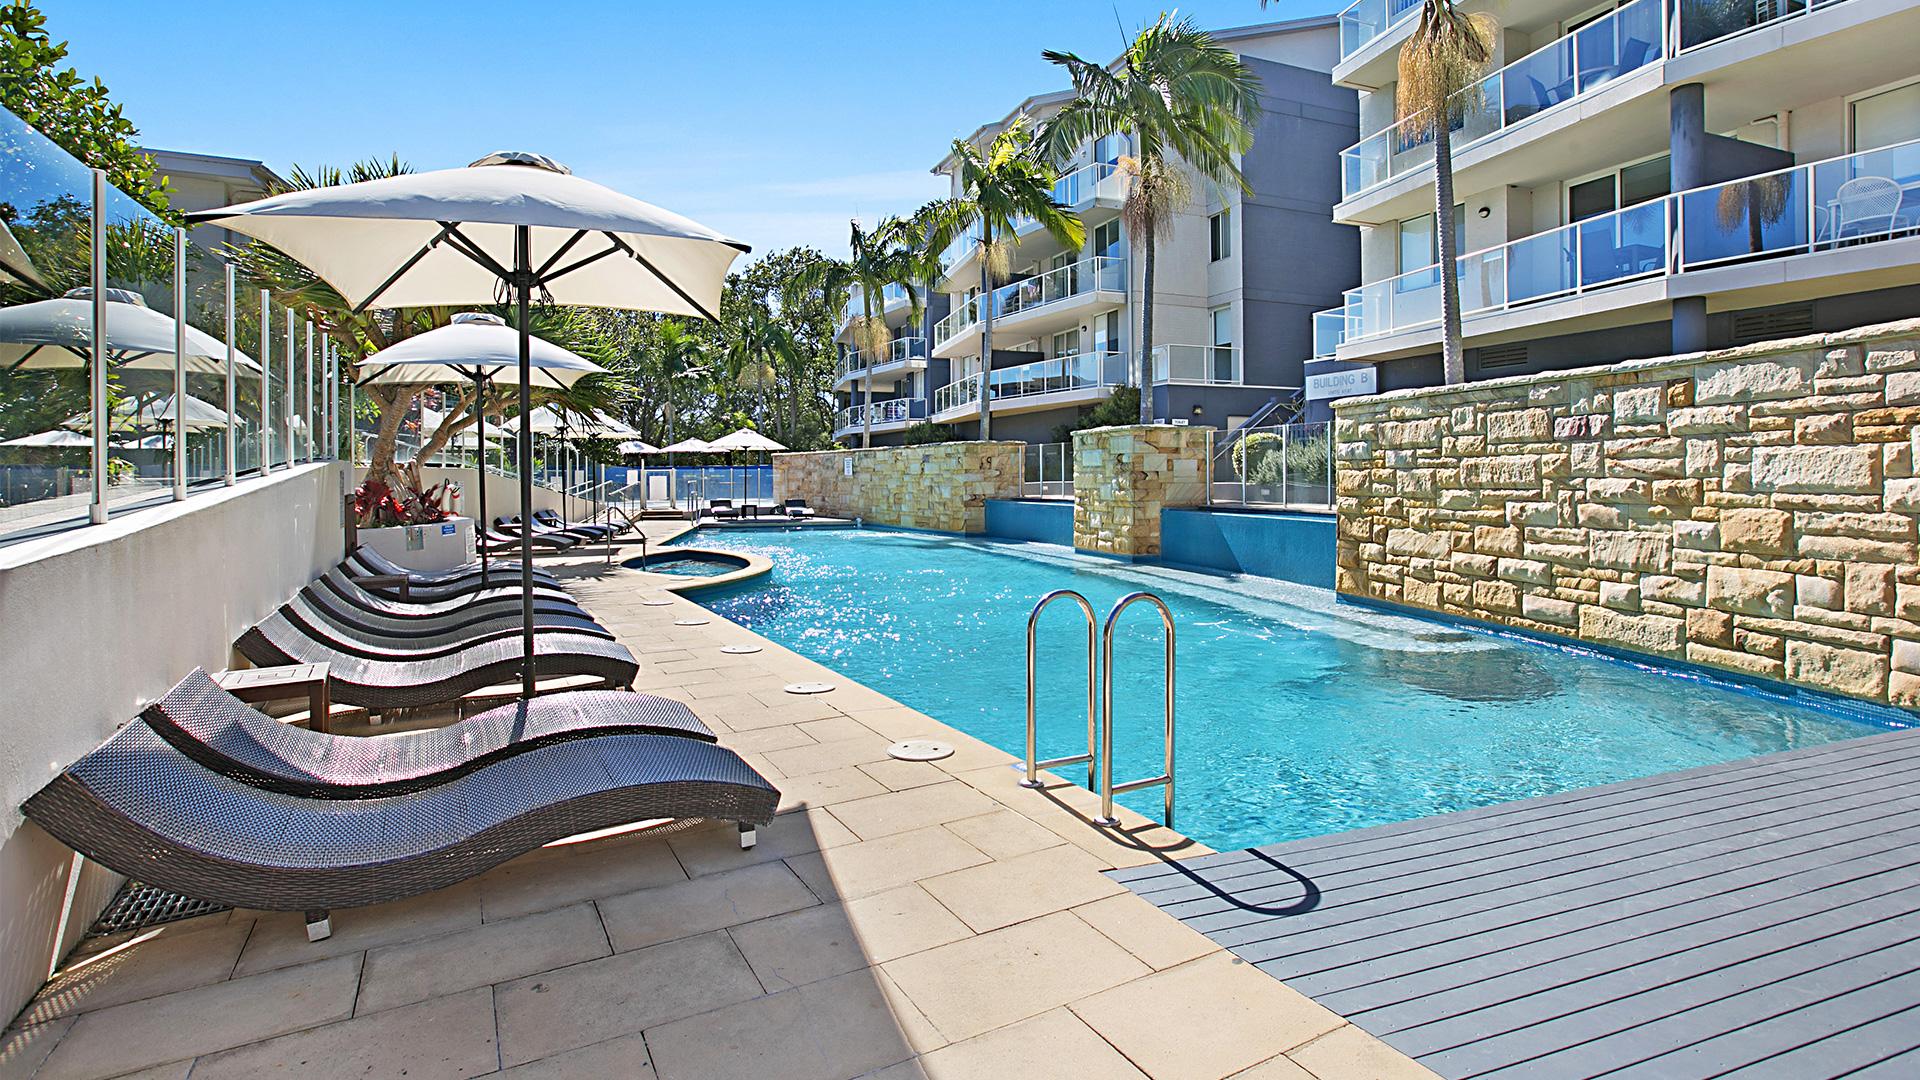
774,122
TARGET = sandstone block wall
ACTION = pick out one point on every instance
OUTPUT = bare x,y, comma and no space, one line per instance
944,486
1751,509
1124,476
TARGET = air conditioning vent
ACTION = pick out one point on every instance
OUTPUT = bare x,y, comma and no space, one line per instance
1774,323
1501,356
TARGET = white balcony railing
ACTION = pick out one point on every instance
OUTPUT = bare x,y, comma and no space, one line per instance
1365,20
1074,190
890,294
1102,273
1629,38
896,411
899,351
1846,201
1080,371
1214,364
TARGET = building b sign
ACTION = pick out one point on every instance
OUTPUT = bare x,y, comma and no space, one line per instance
1339,384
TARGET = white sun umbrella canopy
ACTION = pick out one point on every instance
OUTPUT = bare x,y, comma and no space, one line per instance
689,446
196,415
507,225
638,447
58,437
58,333
746,440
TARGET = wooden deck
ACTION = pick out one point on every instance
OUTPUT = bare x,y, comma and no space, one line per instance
1759,918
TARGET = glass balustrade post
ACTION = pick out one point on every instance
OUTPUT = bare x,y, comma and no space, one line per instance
179,363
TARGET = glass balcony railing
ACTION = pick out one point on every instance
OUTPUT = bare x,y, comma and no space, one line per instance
901,350
1102,273
1365,20
1847,201
1216,364
957,394
1630,38
1079,371
890,295
896,411
1073,191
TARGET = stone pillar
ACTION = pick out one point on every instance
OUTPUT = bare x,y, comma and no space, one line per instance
1124,476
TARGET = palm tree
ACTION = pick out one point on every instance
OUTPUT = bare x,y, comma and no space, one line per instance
758,343
1440,70
876,258
1005,181
1179,98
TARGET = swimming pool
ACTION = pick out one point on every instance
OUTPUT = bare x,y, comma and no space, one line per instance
686,563
1297,715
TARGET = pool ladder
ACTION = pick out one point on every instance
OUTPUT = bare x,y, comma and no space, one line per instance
1099,755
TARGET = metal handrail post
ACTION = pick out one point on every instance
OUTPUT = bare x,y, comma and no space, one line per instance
1108,789
1033,620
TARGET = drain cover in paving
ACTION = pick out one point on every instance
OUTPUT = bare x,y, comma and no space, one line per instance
808,687
655,603
920,750
739,650
689,622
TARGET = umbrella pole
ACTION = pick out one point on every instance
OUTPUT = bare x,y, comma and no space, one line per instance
523,298
480,466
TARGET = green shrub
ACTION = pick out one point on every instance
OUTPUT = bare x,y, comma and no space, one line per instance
924,434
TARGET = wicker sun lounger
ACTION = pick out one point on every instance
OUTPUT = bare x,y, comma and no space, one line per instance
140,807
542,538
597,530
411,681
233,739
541,528
380,645
377,574
473,603
797,508
487,618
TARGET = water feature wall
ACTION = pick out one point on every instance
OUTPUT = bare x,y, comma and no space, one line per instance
1750,509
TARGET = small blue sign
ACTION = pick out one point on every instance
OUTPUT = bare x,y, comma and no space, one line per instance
446,530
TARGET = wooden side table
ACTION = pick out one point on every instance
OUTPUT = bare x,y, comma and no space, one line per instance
282,683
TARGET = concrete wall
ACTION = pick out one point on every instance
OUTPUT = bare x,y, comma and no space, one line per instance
944,486
1750,509
101,620
1124,476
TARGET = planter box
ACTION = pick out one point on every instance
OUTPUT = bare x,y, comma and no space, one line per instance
440,546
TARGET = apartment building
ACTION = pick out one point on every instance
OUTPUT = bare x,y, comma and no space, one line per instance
1634,179
1237,279
881,394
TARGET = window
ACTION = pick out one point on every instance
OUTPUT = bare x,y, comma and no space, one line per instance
1106,332
1066,342
1891,116
1221,227
1106,238
1420,246
1220,363
1630,186
1106,149
1223,326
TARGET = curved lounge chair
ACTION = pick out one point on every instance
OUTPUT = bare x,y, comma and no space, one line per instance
411,681
548,599
329,607
589,528
370,561
141,807
233,739
541,528
378,645
361,567
542,538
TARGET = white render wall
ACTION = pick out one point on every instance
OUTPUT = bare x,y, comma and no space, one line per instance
99,621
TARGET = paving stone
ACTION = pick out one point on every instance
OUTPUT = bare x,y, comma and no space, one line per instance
831,939
829,1030
442,1037
871,866
708,902
1209,1018
915,808
280,937
561,877
627,992
1003,834
827,757
712,848
1348,1051
624,1057
1002,893
1128,921
154,962
23,1047
495,952
204,1020
827,789
984,982
901,775
1057,1037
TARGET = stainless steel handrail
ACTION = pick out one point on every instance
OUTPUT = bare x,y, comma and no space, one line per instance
1033,620
1108,789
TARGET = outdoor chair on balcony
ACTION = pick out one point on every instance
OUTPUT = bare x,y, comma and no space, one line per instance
365,562
405,681
236,740
797,508
722,508
1868,206
482,618
141,807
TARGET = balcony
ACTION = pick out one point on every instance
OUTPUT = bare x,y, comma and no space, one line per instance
1364,21
1637,36
1055,289
1825,219
1211,365
902,357
1100,183
1061,380
887,415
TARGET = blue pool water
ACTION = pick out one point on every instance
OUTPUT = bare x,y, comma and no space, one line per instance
1297,715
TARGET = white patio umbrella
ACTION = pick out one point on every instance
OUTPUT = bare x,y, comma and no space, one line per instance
746,440
688,446
507,224
58,333
481,348
61,437
639,447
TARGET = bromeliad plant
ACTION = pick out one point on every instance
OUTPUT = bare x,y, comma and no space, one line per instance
377,505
